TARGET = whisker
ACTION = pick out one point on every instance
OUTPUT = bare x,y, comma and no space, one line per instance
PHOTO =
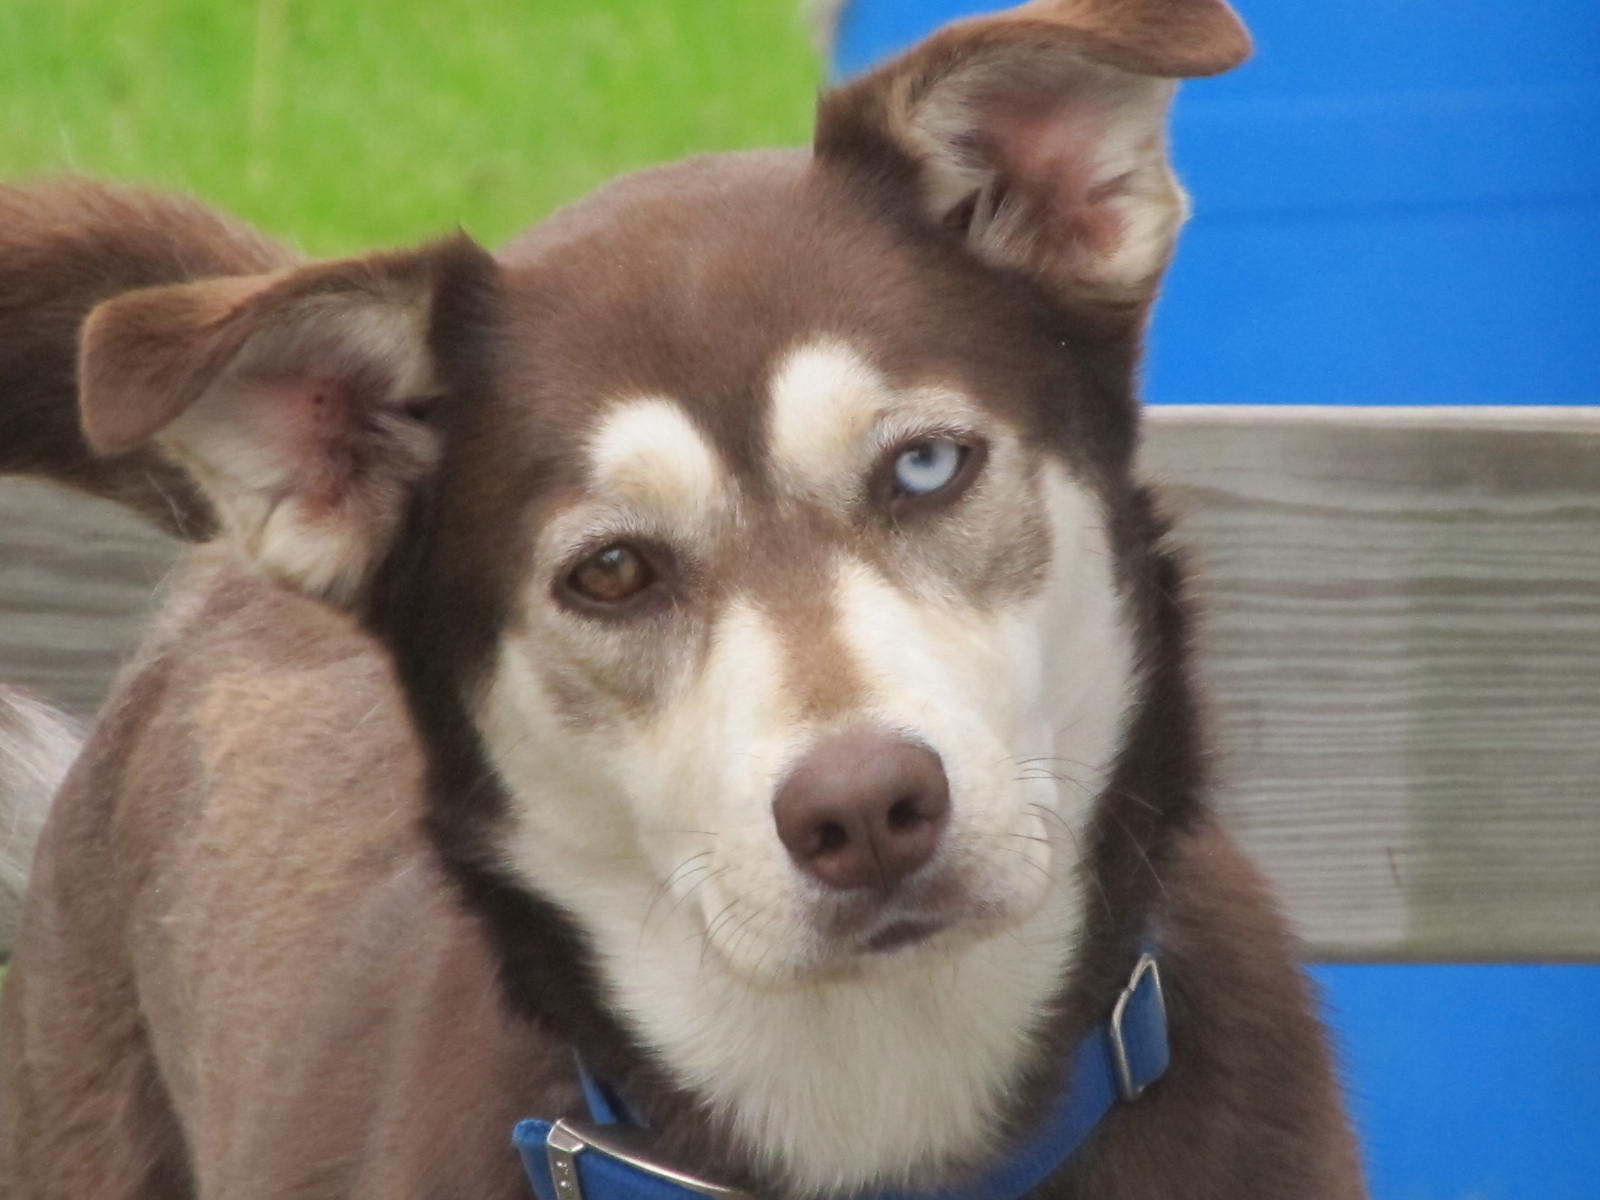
695,887
1077,844
661,889
1149,866
1120,794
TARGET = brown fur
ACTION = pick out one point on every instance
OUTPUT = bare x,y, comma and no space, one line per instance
258,1030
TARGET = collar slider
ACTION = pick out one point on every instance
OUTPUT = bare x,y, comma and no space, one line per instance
1145,974
562,1149
621,1164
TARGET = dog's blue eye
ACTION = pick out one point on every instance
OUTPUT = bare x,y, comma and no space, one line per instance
925,467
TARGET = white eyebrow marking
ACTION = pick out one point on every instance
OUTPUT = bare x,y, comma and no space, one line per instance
825,401
648,452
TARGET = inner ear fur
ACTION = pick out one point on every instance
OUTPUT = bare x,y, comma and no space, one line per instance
1039,135
295,399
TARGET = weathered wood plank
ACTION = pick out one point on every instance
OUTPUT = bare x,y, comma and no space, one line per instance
77,581
1401,640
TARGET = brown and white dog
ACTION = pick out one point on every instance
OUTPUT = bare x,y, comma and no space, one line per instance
721,633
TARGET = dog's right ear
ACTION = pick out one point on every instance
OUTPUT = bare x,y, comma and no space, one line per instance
297,400
1038,135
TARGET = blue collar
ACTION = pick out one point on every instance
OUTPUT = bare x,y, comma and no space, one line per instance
608,1157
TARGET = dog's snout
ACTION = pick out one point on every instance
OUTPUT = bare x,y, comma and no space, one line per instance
864,808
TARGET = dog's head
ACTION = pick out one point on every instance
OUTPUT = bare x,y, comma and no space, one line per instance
755,517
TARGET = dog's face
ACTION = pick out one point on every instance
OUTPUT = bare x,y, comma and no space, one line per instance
810,637
756,521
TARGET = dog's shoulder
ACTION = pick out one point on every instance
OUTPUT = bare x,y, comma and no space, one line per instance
247,813
248,709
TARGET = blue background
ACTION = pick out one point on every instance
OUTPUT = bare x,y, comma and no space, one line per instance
1398,202
1478,1082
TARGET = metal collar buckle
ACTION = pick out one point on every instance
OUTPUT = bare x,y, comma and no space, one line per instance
1129,1089
569,1139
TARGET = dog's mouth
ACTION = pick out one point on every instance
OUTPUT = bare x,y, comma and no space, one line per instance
901,934
866,935
942,912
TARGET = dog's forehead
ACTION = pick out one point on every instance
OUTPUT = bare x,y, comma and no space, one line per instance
713,311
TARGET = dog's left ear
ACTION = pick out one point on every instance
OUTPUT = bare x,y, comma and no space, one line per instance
1039,134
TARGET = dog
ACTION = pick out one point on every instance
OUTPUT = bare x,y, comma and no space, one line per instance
711,663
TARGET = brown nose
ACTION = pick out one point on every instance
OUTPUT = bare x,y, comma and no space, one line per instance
863,808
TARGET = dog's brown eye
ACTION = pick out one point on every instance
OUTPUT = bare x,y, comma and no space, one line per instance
611,575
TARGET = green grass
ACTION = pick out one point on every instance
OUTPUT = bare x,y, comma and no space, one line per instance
347,124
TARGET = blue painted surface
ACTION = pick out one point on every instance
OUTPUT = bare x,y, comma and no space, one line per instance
1396,202
1472,1082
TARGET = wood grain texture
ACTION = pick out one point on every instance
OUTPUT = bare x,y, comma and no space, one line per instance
1402,645
78,578
1401,642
